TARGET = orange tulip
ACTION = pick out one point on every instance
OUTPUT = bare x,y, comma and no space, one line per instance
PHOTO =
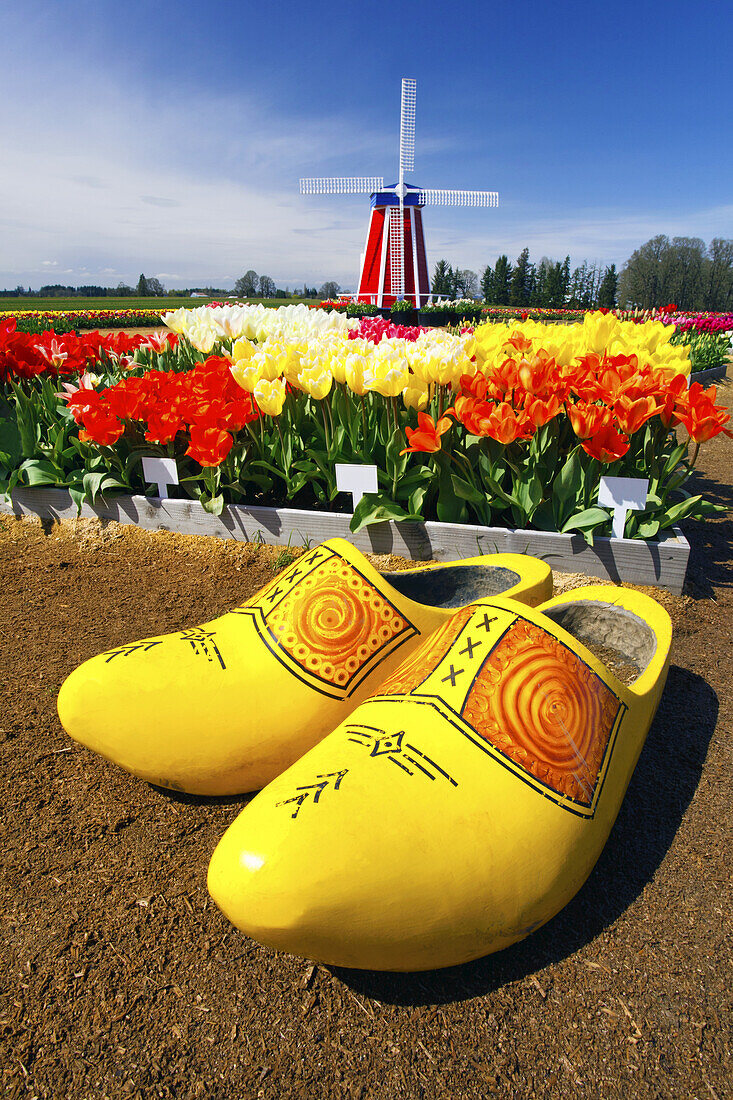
519,341
473,414
538,374
631,415
700,415
504,425
587,419
540,412
606,445
426,437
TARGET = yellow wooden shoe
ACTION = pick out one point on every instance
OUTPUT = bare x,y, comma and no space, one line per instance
465,804
225,707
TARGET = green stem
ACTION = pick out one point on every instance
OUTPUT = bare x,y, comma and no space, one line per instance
282,445
363,423
325,428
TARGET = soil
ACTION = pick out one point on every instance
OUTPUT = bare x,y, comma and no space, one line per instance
124,981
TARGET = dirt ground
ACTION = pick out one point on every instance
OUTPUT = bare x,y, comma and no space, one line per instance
122,979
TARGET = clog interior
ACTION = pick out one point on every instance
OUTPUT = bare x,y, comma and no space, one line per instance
620,639
453,585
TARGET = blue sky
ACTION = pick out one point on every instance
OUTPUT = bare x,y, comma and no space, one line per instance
169,137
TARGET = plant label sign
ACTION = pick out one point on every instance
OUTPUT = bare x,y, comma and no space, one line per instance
622,495
161,472
356,479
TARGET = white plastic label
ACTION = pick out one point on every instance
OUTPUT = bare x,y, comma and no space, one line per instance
622,495
161,472
356,480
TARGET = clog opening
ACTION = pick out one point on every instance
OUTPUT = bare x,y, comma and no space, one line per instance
618,637
453,585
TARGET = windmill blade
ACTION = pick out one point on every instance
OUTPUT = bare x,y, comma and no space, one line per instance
407,126
341,185
458,198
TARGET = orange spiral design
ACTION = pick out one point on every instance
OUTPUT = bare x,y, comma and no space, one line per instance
333,621
541,706
426,657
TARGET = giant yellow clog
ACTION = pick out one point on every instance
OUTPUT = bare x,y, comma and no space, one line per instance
226,706
466,803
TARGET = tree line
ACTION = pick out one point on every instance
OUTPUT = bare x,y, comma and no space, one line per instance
250,285
682,270
549,283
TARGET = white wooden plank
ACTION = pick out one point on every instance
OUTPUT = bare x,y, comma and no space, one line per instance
662,563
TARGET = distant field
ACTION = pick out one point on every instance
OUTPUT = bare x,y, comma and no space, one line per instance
41,305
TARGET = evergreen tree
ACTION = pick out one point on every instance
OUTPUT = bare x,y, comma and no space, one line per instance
442,280
538,295
553,295
487,284
565,281
502,281
142,287
608,288
520,285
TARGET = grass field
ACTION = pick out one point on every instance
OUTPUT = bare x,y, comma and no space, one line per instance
10,305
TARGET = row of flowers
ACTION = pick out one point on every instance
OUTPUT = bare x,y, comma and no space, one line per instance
682,320
27,355
83,318
510,424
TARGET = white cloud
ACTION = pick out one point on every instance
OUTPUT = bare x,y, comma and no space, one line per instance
211,189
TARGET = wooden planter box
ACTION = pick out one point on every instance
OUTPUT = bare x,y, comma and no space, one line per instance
662,563
705,377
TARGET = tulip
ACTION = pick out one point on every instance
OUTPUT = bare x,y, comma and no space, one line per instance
587,419
243,349
700,415
315,382
415,395
355,371
247,376
607,444
270,396
426,437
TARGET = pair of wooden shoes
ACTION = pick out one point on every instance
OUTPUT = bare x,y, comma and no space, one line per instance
443,753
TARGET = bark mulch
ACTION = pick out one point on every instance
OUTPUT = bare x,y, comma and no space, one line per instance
123,980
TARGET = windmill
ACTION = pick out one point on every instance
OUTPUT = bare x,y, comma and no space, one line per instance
394,263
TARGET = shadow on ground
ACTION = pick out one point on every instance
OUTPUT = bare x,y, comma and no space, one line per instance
710,564
660,791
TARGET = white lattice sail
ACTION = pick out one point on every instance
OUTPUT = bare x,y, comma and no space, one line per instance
341,185
431,197
407,126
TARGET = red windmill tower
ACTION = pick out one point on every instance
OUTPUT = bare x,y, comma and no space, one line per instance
394,264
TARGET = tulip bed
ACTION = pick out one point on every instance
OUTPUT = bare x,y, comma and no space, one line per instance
38,321
505,425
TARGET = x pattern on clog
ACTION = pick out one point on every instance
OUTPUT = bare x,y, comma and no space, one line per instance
535,705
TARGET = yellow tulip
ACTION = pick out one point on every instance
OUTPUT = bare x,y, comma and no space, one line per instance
390,382
270,395
315,381
416,395
356,368
247,376
243,349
